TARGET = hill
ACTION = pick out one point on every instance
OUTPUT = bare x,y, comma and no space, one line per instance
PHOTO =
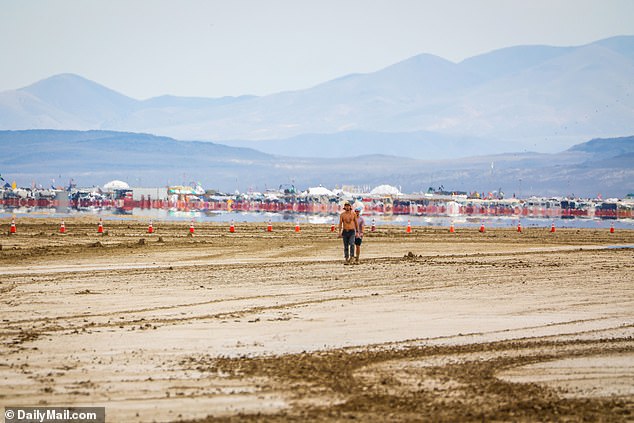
95,157
523,98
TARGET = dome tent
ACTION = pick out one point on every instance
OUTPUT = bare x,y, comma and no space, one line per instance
320,191
115,185
385,190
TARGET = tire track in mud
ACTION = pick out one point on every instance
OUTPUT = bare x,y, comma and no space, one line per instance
387,289
462,336
242,312
143,323
187,305
238,262
421,383
625,332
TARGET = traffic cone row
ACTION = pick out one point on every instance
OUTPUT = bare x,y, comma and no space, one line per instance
269,227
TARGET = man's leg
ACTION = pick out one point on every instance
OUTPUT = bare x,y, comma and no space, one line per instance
346,241
351,244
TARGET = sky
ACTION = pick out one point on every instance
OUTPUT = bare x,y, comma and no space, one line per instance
210,48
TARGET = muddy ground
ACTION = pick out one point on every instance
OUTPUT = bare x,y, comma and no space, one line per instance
252,325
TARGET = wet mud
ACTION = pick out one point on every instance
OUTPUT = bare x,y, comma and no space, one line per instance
271,326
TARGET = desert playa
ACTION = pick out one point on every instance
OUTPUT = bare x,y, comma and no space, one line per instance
257,325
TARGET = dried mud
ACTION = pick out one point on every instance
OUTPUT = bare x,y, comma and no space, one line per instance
271,326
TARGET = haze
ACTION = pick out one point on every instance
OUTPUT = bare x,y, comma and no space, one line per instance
217,48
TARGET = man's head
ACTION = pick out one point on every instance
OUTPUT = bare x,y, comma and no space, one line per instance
358,209
347,206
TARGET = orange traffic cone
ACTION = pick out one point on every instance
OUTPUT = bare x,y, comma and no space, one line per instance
150,228
100,227
552,228
409,227
297,229
519,227
373,227
191,227
451,228
332,227
62,228
269,227
232,228
12,230
612,228
482,227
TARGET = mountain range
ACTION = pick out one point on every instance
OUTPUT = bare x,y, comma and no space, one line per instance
517,99
95,157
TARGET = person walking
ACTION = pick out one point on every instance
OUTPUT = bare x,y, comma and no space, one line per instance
347,229
358,239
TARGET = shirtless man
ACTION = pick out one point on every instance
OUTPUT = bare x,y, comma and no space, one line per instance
348,227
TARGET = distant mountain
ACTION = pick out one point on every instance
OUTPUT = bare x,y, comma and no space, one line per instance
601,148
63,101
420,145
524,98
511,60
84,99
95,157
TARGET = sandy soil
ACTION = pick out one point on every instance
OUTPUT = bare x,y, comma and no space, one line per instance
500,326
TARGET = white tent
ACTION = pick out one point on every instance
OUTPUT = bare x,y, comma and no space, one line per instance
385,190
317,191
115,185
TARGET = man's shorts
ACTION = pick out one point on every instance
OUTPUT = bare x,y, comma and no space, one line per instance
357,241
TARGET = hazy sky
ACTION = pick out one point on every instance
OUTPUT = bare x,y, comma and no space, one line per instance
209,48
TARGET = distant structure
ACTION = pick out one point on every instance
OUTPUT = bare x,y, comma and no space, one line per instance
115,185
